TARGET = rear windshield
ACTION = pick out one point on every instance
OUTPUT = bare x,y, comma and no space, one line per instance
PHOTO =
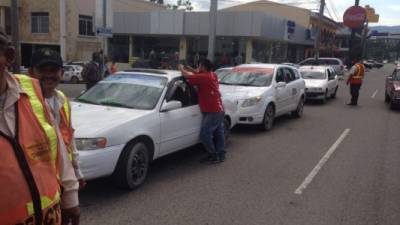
313,75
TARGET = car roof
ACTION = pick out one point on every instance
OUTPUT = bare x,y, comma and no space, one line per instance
170,74
225,68
314,67
258,65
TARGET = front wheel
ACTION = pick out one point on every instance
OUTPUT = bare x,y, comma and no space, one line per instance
74,80
387,98
269,117
325,99
334,93
132,167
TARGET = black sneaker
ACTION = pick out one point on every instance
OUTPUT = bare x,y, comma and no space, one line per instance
208,158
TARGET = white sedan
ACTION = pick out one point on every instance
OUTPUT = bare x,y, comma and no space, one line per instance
134,117
264,91
72,74
321,82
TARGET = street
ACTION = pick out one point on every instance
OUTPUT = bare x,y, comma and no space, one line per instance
347,159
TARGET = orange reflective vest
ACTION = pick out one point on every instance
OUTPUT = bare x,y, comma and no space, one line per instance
65,124
30,187
358,77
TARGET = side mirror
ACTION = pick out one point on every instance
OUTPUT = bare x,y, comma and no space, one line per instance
281,85
169,106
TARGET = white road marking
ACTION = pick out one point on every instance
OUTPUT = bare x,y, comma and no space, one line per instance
374,94
321,163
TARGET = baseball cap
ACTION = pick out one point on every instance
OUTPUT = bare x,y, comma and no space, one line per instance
44,57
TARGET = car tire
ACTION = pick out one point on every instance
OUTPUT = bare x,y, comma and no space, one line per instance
227,129
269,117
335,93
298,113
74,80
387,98
133,166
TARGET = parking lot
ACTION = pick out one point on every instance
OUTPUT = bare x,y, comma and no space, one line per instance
336,165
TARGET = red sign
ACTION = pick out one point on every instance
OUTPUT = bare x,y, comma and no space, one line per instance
354,17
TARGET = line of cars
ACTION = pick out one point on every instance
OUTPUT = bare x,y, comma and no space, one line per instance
136,116
392,88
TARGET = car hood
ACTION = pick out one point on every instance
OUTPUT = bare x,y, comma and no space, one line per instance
310,83
241,92
91,120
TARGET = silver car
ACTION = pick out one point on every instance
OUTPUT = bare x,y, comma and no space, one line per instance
335,63
72,74
321,82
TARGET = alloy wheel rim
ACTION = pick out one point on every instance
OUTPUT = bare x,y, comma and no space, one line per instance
138,168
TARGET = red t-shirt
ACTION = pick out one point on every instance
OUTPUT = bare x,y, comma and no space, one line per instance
208,88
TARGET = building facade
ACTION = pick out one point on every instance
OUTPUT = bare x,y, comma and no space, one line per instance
39,25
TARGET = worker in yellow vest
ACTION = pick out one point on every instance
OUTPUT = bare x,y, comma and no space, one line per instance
355,80
32,168
47,67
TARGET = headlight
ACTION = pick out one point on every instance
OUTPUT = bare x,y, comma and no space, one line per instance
90,143
251,101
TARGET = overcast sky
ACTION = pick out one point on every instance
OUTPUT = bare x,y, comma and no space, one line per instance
389,10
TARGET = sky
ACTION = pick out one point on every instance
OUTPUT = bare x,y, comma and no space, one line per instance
389,10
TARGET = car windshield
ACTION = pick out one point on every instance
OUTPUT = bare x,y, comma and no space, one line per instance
247,78
313,75
221,73
127,91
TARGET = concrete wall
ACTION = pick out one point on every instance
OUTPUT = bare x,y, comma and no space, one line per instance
301,16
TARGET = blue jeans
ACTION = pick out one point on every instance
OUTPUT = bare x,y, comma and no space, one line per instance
212,134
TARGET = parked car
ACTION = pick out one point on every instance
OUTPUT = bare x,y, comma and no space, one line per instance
392,93
72,74
133,117
368,64
321,82
291,64
335,63
221,72
264,92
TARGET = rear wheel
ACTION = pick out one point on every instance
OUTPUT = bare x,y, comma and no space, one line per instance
269,117
132,167
300,109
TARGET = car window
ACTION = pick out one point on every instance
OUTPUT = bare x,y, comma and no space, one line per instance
67,68
313,74
396,75
289,75
254,78
308,62
126,91
184,93
280,77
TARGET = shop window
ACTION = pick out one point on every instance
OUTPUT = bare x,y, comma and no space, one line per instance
86,25
40,22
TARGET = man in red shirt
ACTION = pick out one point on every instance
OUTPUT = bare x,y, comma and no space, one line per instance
212,127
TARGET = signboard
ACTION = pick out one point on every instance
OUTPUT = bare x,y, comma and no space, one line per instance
354,17
103,32
372,17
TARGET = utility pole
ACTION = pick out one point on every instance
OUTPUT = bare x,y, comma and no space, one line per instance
212,29
15,35
364,40
353,34
318,37
63,29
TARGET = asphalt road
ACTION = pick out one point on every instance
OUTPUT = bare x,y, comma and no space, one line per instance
359,184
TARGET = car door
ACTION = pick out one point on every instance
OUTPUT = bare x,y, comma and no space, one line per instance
283,94
180,128
293,87
331,76
389,82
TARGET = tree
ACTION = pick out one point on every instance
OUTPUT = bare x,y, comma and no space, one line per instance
185,4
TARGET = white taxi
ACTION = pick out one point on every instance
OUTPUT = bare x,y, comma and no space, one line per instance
134,117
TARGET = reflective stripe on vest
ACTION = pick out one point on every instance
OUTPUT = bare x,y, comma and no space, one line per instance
27,86
46,203
65,124
360,72
66,106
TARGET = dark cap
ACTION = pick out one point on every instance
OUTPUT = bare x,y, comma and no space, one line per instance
44,57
